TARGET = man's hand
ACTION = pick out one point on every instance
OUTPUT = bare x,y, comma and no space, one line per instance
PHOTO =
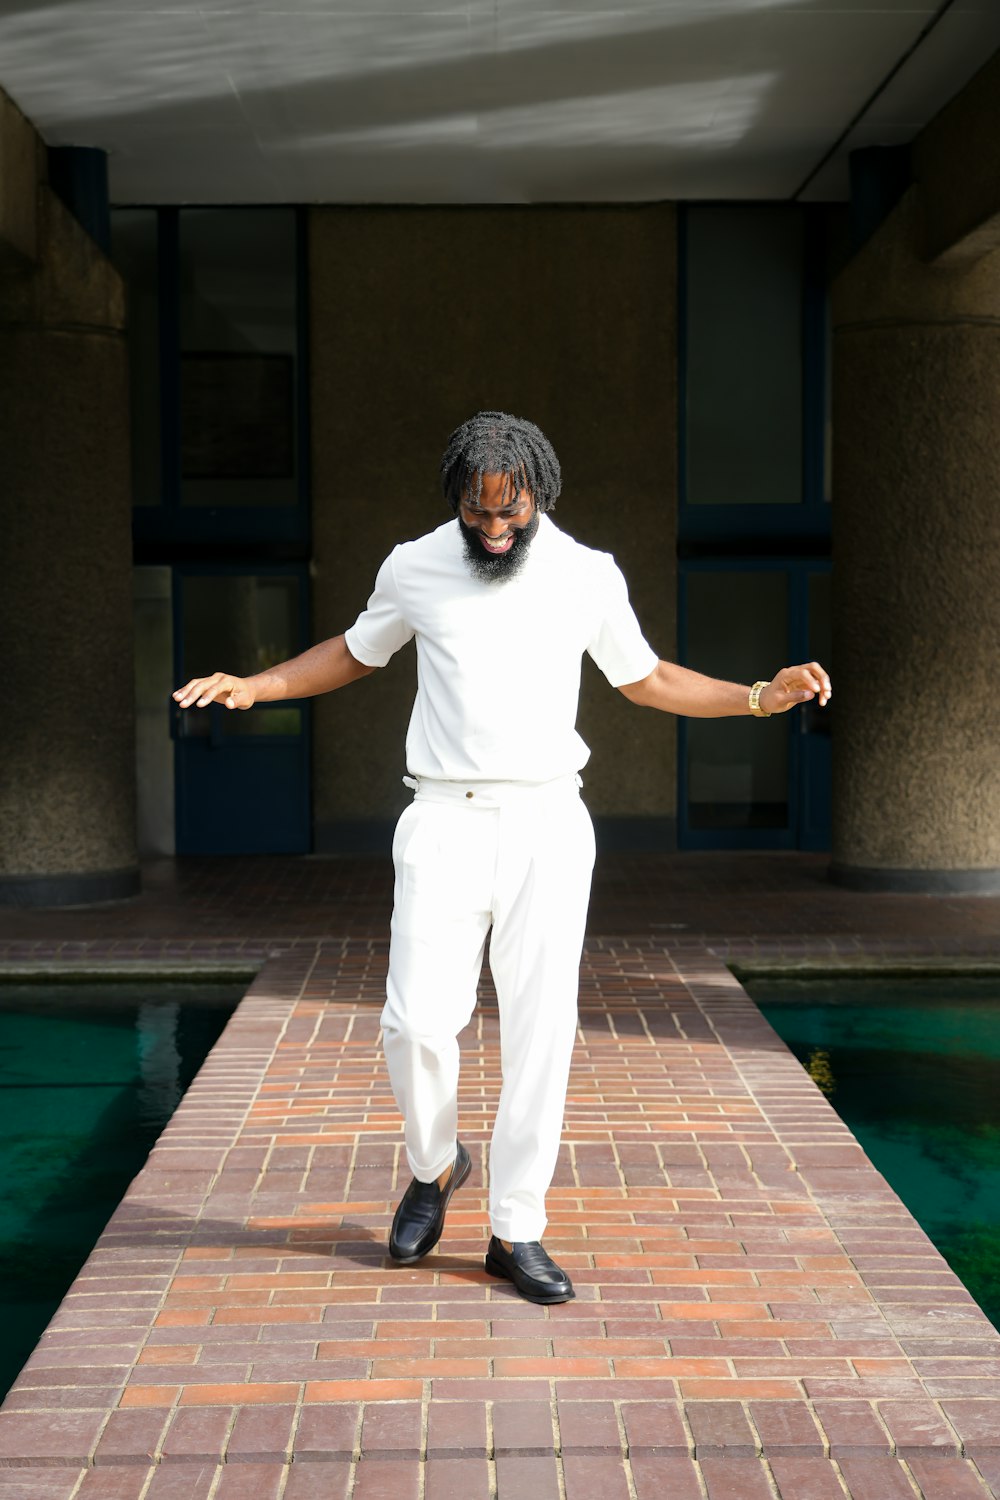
794,685
221,687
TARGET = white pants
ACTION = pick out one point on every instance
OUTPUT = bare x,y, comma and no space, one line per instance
519,857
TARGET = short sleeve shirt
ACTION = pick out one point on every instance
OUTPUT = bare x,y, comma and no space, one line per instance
498,663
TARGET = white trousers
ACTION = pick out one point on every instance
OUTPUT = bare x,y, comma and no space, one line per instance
518,857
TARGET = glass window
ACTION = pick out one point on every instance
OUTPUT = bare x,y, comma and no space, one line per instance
134,251
819,647
240,623
737,768
820,618
238,357
744,355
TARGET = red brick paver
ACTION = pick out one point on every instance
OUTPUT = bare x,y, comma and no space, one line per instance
756,1312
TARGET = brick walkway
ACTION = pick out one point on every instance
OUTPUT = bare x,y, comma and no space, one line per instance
757,1315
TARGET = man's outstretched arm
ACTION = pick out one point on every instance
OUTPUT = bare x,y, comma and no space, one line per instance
322,668
676,690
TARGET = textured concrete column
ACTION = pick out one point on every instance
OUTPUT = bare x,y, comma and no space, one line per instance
20,149
420,317
916,567
67,758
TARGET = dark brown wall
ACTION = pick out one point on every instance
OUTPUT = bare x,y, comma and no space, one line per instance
956,161
67,819
418,318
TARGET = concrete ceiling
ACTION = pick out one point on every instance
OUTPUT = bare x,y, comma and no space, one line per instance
485,101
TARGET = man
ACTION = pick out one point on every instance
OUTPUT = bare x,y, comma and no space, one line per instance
503,605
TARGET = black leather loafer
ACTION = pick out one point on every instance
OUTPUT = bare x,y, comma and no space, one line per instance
420,1216
533,1272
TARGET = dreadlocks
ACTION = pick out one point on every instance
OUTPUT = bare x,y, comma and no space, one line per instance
493,442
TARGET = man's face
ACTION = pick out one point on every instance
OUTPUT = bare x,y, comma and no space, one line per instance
497,528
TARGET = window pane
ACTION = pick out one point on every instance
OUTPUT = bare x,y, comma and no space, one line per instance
238,623
264,718
820,620
238,357
737,769
744,355
819,647
134,250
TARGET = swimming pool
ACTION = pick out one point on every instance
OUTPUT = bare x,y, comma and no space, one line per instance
89,1076
912,1066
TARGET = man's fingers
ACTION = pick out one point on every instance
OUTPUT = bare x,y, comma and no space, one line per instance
188,691
801,684
813,677
797,695
210,691
825,687
187,694
206,690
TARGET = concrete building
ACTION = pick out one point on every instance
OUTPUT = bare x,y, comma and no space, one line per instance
739,260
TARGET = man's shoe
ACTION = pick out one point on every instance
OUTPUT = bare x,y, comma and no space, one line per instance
420,1216
533,1272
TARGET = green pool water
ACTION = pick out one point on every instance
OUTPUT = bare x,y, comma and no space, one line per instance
913,1067
89,1076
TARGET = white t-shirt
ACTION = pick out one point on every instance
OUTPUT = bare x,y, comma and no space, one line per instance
498,664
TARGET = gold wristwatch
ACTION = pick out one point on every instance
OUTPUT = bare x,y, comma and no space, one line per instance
754,701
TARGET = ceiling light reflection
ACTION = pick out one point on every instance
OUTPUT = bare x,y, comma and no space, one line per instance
716,113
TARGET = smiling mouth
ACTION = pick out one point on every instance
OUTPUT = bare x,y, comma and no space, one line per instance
499,546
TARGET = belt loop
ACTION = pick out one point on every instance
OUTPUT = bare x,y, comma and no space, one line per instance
411,782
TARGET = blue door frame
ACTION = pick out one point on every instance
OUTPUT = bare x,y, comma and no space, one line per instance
746,538
240,793
808,741
235,792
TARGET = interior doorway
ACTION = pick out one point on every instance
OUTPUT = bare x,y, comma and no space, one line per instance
747,783
241,779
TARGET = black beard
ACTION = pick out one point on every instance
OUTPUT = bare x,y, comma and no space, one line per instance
497,567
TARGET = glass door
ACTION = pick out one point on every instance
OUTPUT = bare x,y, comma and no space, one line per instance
241,777
815,727
751,783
